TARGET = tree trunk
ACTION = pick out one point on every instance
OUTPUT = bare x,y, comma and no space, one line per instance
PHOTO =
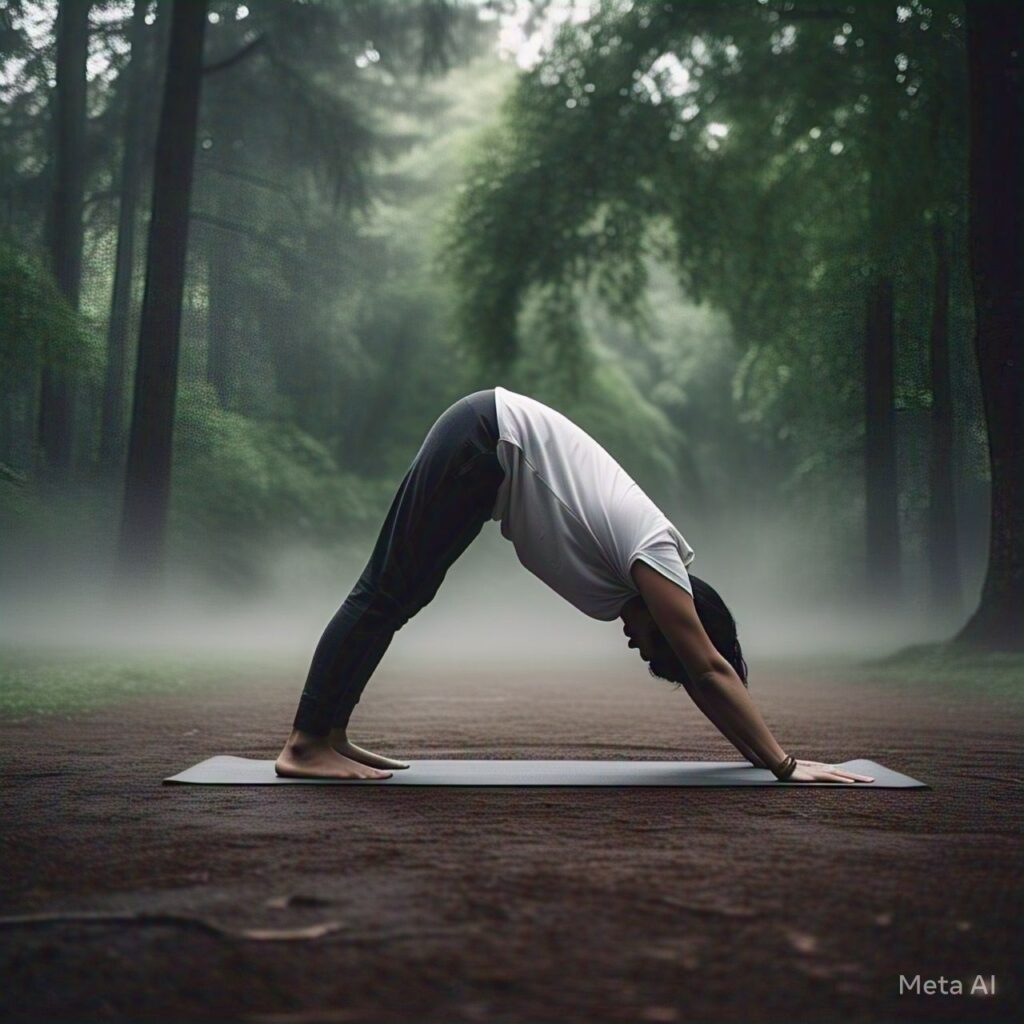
995,38
66,232
112,413
943,547
148,469
881,494
880,480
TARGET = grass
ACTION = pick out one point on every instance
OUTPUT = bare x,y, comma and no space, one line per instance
34,682
73,682
991,674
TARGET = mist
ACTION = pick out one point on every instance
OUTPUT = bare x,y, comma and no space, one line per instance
338,295
766,254
488,612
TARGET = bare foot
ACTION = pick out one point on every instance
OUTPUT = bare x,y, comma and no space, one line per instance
313,757
344,746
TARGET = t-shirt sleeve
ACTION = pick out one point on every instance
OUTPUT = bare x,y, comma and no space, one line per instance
663,555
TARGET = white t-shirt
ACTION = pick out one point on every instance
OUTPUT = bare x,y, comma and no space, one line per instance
577,519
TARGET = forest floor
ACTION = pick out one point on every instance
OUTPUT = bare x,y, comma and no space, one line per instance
506,905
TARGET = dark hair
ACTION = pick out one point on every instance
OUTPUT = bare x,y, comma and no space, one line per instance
720,627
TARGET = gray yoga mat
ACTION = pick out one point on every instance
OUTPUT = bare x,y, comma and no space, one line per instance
226,770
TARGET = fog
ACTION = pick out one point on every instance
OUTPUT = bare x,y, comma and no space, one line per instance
489,610
330,280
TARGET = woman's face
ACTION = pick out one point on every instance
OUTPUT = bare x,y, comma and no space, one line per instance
641,629
645,636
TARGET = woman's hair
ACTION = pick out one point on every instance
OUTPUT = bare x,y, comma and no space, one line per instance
720,627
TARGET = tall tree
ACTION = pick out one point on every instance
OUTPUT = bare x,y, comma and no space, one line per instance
762,136
881,485
112,412
302,105
942,541
65,217
148,470
995,42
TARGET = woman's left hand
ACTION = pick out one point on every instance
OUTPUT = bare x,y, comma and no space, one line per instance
841,773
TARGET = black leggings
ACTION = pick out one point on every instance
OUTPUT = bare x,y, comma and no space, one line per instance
442,503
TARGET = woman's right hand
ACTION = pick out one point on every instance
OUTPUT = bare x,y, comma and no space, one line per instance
815,771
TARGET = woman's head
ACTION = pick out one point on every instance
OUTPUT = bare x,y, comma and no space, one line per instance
715,617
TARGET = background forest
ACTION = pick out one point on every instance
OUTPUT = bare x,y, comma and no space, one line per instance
729,239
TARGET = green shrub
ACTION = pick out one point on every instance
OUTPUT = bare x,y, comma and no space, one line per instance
244,487
37,326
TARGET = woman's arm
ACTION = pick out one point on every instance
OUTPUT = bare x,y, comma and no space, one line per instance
715,687
710,711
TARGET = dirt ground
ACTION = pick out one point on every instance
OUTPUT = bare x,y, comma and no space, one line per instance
514,905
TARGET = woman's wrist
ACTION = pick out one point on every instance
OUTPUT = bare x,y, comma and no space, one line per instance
785,768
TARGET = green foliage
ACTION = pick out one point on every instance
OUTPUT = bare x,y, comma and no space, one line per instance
762,153
542,208
609,405
637,433
307,297
692,296
949,668
33,516
78,682
243,488
37,326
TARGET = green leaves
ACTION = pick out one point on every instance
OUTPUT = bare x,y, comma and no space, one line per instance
243,486
739,142
36,323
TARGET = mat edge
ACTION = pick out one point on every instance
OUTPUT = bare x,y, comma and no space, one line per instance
911,784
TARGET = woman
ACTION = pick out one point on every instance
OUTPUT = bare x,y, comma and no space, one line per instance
578,522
